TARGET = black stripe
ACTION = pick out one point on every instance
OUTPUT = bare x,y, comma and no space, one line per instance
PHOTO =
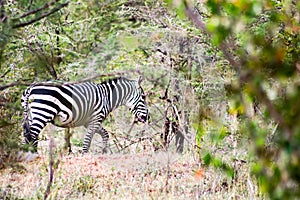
53,93
44,116
75,90
32,129
40,120
37,125
44,109
46,102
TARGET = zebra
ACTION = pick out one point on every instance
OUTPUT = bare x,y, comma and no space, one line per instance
83,104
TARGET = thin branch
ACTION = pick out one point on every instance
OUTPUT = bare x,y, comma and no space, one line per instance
116,141
52,166
131,126
46,5
3,16
30,4
225,46
101,76
262,96
132,142
13,84
181,125
195,19
5,73
25,83
42,16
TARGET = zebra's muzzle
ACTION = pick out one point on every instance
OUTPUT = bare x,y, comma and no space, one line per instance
143,118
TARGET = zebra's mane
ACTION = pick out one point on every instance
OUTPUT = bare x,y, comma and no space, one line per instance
57,83
115,80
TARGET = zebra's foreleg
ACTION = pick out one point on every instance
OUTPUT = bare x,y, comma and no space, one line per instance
105,137
91,129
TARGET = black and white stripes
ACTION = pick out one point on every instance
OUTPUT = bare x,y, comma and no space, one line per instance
84,104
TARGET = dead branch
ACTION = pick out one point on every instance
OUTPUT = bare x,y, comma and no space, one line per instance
34,11
42,57
116,141
166,94
5,73
41,16
181,125
101,76
131,126
13,84
52,166
132,142
57,83
3,16
195,19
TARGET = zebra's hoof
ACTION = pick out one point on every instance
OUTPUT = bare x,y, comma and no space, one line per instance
104,151
107,150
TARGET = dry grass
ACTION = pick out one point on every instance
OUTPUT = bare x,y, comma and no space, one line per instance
139,173
161,175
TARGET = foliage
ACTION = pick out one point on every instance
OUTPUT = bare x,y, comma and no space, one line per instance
222,74
260,40
9,132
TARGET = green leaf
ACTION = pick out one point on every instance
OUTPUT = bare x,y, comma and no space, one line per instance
207,159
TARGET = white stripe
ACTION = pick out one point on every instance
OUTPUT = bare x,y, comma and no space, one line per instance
49,98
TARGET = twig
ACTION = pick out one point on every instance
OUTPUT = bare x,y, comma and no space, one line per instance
167,174
137,141
100,76
181,125
166,94
46,5
5,73
195,19
131,127
273,132
42,16
52,166
116,141
13,84
57,83
250,189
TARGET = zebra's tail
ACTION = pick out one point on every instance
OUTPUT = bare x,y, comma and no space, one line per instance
25,118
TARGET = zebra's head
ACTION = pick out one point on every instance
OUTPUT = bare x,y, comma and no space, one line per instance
26,127
137,102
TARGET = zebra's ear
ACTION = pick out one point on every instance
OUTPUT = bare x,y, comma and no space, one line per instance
139,81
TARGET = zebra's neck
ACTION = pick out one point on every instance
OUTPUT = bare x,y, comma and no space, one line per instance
117,92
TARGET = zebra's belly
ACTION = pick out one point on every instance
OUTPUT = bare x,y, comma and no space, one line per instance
65,121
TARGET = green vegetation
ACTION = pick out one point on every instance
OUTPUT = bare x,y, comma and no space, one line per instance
222,75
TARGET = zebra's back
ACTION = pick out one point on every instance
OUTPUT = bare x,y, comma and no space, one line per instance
63,105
